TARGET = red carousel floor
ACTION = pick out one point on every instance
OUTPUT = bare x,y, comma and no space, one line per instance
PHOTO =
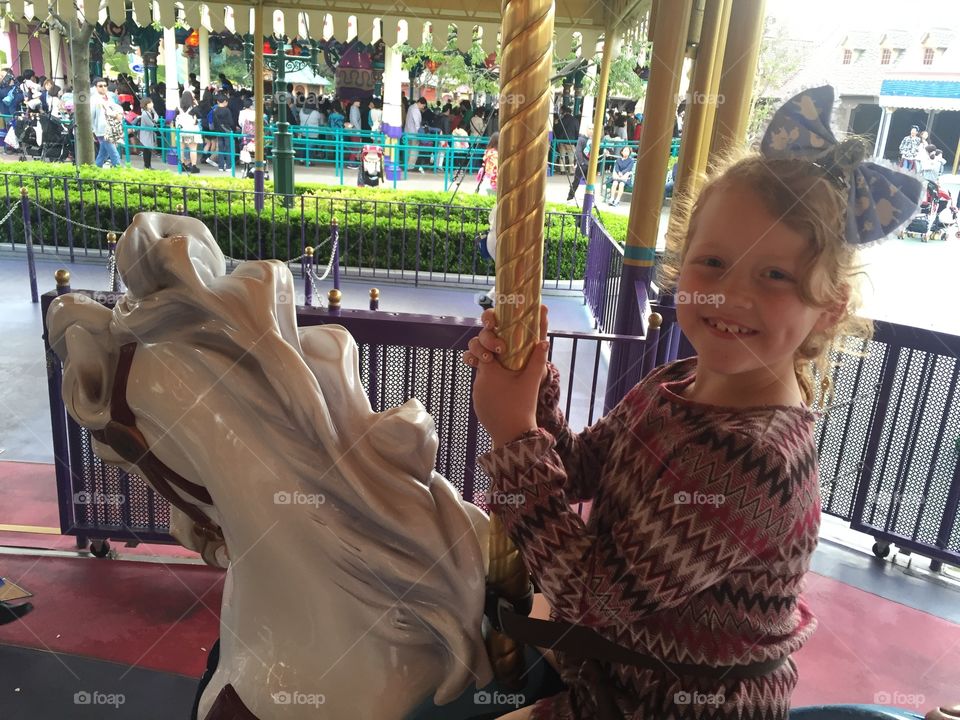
165,617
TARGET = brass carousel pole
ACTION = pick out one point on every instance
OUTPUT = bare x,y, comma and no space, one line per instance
599,113
697,126
258,164
669,28
738,71
526,57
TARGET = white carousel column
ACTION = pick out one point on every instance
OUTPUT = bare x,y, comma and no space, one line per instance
173,93
842,115
55,57
392,106
170,66
204,49
886,115
6,47
588,51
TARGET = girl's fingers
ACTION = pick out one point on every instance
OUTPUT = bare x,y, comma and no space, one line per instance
489,318
478,351
469,358
490,341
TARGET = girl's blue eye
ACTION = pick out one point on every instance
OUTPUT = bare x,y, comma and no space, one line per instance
712,262
778,275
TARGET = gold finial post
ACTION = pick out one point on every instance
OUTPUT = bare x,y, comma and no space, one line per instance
62,276
527,52
334,297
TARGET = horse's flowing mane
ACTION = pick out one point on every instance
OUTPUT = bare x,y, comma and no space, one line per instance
374,469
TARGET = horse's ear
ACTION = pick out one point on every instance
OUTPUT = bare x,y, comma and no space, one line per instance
79,333
159,250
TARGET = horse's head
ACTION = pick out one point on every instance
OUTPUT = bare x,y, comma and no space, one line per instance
202,382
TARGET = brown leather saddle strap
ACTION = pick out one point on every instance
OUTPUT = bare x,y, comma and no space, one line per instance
229,706
581,642
121,434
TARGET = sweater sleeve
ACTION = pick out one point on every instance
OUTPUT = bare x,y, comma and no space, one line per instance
581,454
718,502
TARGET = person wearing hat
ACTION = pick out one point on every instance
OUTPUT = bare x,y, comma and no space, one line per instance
910,149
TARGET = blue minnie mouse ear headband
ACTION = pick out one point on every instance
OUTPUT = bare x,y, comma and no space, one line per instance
881,200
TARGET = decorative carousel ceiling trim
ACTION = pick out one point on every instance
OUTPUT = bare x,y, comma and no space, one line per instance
67,10
16,8
142,12
117,11
168,14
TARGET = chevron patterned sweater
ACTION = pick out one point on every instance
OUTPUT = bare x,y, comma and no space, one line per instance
703,523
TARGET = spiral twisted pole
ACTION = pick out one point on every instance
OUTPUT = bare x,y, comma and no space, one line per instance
526,53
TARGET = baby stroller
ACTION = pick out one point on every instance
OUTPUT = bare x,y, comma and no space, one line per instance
487,250
57,143
937,216
370,172
29,135
247,154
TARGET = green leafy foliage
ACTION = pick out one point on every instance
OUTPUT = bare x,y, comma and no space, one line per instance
409,231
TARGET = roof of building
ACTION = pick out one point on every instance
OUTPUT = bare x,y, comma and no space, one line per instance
864,76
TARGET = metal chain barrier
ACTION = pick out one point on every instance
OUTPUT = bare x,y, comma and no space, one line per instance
112,259
317,279
16,204
69,220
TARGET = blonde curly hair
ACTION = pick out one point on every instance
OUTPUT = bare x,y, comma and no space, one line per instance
809,200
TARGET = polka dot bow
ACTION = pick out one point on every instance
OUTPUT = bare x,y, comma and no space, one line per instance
881,199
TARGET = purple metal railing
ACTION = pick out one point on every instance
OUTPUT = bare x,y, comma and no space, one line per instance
401,356
887,442
601,282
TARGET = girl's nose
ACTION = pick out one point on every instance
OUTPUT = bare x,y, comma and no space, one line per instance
737,290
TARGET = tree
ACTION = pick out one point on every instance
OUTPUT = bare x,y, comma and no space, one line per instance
452,66
625,78
780,58
78,34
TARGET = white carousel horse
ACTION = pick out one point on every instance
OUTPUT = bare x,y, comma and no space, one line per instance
355,583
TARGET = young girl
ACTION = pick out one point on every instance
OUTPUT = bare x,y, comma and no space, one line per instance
188,122
704,481
487,175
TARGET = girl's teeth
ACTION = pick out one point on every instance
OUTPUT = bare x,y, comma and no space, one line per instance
723,327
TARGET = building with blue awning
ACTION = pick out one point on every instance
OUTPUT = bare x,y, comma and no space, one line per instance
888,81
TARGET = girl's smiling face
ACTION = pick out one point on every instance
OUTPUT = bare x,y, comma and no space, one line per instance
738,293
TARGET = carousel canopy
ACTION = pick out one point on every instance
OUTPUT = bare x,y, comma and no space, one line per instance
346,19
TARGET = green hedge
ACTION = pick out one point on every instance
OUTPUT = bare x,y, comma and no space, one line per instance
385,239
